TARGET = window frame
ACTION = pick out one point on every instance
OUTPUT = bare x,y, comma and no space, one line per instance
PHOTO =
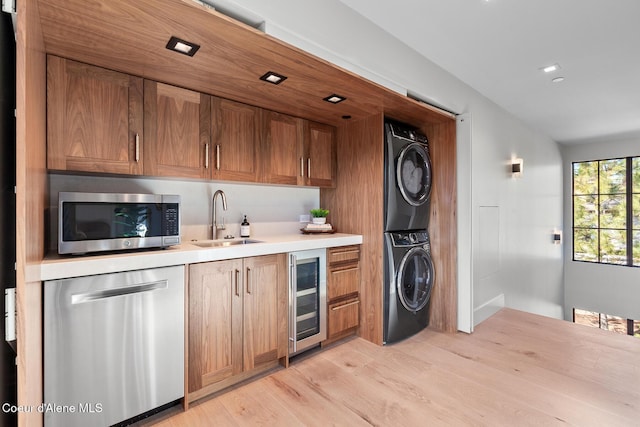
631,324
628,195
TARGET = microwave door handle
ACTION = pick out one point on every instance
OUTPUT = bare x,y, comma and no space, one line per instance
293,309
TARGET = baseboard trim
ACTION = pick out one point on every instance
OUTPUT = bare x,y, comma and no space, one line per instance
488,309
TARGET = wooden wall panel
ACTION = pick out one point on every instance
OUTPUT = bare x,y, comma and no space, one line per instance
31,186
443,225
356,206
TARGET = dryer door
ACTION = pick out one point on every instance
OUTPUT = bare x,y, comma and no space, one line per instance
413,174
414,279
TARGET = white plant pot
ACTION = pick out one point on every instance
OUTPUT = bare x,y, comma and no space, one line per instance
319,220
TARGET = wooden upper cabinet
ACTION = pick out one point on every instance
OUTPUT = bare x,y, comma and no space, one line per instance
283,149
94,119
177,128
298,151
98,122
320,150
236,133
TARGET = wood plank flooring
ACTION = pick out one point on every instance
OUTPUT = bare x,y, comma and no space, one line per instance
515,369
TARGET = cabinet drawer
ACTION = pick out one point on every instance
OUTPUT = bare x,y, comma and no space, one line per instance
343,254
343,281
343,316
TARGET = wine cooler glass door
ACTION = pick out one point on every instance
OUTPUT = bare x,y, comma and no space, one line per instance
307,299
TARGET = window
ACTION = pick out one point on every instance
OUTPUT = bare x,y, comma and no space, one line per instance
607,322
606,211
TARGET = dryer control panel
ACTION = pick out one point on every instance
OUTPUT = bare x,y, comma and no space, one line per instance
405,132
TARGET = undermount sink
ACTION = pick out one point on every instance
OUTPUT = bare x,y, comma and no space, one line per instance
224,243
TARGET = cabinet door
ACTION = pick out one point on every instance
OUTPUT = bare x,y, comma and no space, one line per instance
265,310
177,126
320,143
94,119
215,322
235,140
283,154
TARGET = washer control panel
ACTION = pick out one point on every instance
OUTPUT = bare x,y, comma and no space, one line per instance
410,238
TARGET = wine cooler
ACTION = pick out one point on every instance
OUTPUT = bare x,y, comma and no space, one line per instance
307,299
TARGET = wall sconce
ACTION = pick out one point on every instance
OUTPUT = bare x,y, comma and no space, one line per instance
516,168
557,237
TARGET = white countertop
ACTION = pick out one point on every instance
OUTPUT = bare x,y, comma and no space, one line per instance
59,267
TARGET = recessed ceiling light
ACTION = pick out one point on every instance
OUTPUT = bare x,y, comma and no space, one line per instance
274,78
550,68
182,46
334,99
558,80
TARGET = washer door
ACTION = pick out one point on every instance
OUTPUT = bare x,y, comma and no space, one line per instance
414,280
413,174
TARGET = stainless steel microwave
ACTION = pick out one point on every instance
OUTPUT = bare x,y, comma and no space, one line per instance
95,222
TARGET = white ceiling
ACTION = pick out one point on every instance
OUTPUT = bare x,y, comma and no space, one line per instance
499,46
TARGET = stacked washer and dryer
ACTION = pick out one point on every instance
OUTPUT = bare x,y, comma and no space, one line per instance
408,268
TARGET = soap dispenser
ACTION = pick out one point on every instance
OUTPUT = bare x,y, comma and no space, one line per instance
245,228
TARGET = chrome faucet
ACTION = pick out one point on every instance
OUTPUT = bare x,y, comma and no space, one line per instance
214,222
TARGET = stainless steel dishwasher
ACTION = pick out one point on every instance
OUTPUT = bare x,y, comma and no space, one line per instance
113,346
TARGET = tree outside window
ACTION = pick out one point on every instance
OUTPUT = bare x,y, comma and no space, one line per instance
606,211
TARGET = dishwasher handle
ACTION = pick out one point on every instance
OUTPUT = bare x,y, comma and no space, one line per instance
116,292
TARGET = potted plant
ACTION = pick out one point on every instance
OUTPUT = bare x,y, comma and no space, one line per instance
319,216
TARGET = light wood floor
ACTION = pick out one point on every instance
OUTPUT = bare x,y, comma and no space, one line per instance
515,369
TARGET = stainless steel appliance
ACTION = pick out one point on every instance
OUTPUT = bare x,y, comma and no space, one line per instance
307,299
113,346
408,280
92,222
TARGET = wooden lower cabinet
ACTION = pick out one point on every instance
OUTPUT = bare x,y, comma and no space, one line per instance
237,321
343,291
343,317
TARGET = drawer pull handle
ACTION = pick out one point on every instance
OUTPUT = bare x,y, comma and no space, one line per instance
345,305
352,251
346,270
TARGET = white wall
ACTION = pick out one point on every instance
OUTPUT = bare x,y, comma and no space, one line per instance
528,273
606,289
